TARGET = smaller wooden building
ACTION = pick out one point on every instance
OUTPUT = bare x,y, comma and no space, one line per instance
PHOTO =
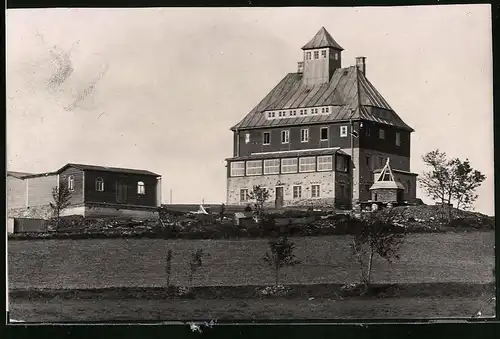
96,191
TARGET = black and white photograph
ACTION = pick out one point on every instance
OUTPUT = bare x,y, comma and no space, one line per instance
209,165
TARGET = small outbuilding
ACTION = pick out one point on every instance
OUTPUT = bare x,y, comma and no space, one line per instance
386,189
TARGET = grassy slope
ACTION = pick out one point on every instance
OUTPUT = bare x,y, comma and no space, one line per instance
459,257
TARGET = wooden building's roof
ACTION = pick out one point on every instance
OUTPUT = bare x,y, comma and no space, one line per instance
341,93
322,39
84,167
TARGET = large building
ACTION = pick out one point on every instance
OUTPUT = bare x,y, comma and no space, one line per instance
320,136
96,191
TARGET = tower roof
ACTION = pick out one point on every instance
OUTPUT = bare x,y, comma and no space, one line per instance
322,39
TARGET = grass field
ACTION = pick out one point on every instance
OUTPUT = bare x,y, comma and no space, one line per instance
450,257
233,309
101,263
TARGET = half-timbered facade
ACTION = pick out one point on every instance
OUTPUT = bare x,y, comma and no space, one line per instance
319,136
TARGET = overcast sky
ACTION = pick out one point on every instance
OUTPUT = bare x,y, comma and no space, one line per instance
159,89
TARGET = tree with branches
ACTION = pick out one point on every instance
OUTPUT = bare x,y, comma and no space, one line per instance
260,195
61,197
450,180
376,234
280,254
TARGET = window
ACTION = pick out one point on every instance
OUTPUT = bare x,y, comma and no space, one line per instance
141,189
247,138
381,133
324,133
341,162
326,109
408,186
336,56
274,114
244,195
368,160
297,192
398,139
316,54
294,112
272,166
314,191
266,138
343,131
285,137
237,169
307,164
99,185
71,183
325,163
322,110
314,110
254,167
323,53
304,135
367,131
269,114
308,55
289,165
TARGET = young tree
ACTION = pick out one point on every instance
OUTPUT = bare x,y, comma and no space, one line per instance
168,266
61,200
280,255
376,234
260,195
195,262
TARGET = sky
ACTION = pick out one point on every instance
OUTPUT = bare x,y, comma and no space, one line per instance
159,88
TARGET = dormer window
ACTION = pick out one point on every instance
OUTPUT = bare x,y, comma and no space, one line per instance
316,54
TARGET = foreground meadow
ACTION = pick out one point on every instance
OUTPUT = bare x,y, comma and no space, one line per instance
59,266
448,257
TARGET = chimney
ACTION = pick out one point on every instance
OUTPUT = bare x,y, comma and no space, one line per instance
361,64
300,67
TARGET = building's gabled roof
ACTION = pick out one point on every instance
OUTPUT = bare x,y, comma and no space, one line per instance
18,175
341,93
84,167
322,39
386,179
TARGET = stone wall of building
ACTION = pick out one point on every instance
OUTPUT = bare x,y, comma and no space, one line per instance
287,181
385,195
32,212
